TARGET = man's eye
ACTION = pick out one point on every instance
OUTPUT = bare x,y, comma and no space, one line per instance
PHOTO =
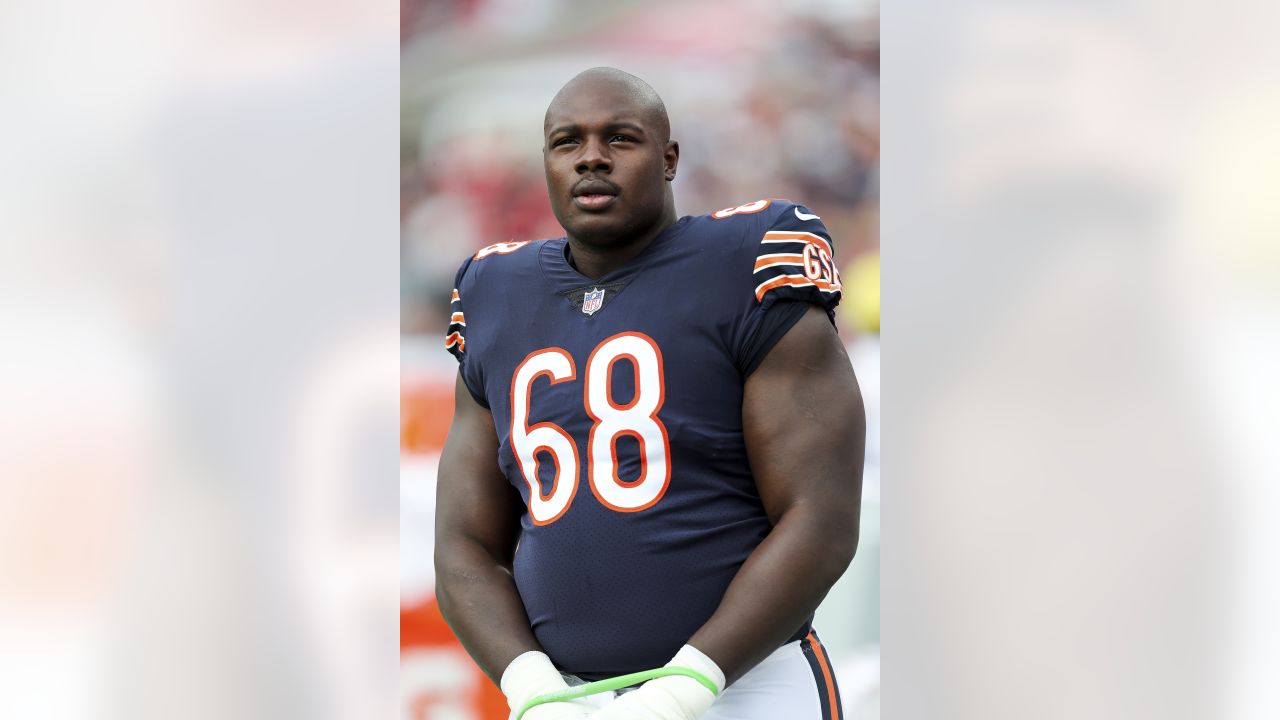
622,138
563,141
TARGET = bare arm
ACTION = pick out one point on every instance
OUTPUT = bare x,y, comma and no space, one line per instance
477,525
805,431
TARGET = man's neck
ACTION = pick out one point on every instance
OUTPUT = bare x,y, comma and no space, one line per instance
596,261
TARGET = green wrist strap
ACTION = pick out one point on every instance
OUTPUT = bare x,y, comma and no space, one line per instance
616,683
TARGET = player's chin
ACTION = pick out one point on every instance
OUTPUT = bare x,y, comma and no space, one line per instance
597,226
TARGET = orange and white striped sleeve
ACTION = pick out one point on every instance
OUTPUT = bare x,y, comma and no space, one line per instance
795,260
455,337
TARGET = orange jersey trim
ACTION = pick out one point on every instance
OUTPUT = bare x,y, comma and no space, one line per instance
820,652
772,259
794,281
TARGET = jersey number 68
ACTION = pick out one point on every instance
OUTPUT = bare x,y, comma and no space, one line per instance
637,419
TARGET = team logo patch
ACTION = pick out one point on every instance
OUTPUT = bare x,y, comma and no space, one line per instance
592,301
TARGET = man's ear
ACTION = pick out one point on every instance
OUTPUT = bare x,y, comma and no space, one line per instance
671,158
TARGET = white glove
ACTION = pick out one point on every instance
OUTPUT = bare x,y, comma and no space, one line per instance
531,675
674,697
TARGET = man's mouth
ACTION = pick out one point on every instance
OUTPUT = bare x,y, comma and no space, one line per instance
594,194
594,201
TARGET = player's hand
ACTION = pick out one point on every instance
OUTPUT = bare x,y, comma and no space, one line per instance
675,697
666,698
531,675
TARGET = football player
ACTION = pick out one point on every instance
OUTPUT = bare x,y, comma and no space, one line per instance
656,454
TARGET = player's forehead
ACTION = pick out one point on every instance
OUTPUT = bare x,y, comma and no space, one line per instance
598,103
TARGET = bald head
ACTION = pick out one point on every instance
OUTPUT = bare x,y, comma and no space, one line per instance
610,161
623,91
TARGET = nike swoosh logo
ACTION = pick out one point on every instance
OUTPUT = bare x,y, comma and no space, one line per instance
805,216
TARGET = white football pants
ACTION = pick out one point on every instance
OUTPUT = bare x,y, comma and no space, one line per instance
796,682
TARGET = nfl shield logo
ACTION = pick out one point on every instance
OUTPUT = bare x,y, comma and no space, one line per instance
592,301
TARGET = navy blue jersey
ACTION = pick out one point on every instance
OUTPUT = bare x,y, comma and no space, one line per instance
618,407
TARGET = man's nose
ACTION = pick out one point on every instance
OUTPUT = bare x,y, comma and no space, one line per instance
594,157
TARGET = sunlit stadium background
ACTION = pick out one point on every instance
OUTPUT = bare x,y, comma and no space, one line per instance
767,100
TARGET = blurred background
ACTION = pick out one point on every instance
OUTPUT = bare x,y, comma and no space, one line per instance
199,361
766,99
201,272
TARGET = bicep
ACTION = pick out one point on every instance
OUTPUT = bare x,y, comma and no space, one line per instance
474,501
804,423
